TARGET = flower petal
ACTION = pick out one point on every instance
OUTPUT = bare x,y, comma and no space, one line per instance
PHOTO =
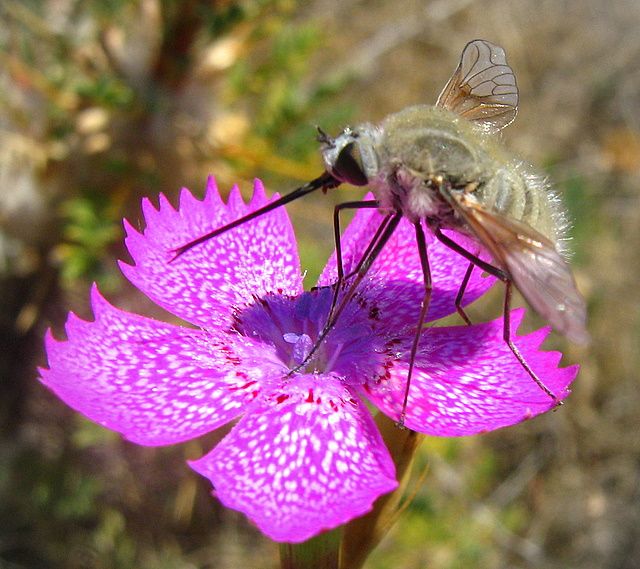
309,458
395,282
466,380
153,382
204,284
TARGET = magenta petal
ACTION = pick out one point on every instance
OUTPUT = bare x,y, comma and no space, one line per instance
153,382
308,459
203,285
395,282
467,381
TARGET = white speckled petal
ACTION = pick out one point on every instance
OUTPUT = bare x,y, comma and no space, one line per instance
395,282
310,458
153,382
203,285
467,381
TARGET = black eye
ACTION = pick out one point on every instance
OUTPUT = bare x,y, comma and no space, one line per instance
348,167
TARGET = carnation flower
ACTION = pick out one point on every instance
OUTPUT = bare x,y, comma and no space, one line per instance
305,454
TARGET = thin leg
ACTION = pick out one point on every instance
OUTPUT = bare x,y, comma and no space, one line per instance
372,243
364,266
338,243
477,261
506,334
460,295
363,204
362,272
424,309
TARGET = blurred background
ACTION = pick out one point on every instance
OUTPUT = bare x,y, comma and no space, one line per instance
102,103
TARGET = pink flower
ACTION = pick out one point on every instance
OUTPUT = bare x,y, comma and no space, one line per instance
305,454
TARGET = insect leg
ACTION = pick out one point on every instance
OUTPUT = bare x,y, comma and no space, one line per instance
477,261
460,295
364,267
506,334
362,272
426,300
336,234
371,245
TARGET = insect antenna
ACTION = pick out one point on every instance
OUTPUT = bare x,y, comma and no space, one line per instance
324,182
324,138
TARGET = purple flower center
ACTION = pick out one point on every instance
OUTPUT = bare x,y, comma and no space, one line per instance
292,326
302,345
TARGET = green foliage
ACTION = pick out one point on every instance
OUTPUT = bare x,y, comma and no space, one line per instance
88,435
451,523
282,101
89,229
583,207
220,19
105,91
49,495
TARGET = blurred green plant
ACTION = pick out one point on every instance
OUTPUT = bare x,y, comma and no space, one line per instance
451,522
89,229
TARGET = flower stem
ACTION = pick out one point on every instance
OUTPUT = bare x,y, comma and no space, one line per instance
363,534
321,552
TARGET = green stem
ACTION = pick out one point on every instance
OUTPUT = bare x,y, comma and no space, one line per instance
321,552
363,534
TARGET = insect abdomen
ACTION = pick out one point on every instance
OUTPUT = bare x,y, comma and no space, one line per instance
515,192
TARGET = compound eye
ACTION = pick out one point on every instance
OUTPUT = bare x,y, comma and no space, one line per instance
348,166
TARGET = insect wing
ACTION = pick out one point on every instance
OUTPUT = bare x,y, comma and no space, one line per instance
483,88
541,274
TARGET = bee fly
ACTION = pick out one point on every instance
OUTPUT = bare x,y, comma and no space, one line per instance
444,166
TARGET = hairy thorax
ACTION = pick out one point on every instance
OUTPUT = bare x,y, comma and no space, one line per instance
422,146
427,154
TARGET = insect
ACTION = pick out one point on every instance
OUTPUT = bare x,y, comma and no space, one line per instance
443,167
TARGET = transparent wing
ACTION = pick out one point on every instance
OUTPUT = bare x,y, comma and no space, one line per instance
483,88
541,274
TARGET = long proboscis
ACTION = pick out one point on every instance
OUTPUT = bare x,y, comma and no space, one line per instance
324,182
